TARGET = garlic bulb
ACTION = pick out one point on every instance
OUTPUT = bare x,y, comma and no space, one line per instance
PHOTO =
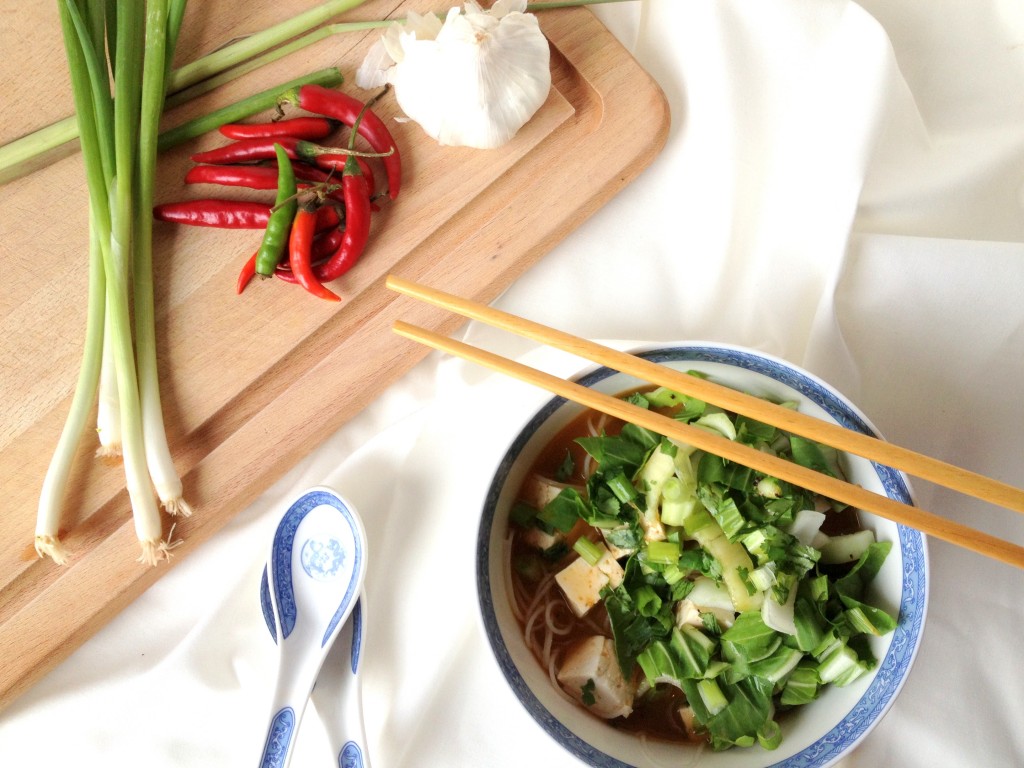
472,81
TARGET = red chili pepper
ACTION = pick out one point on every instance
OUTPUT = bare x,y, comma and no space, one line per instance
247,150
227,214
327,217
328,167
325,244
247,274
357,226
341,106
232,214
296,127
257,149
299,253
257,176
337,163
251,176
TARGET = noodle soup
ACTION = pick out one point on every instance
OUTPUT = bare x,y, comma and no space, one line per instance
542,626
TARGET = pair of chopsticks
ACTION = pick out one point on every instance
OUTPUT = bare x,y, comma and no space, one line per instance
865,446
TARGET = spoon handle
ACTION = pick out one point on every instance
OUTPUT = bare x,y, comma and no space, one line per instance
277,749
338,693
286,710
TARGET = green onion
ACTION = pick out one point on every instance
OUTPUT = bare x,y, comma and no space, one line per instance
647,601
158,456
108,411
118,136
621,486
763,577
588,550
37,149
672,489
131,50
663,552
246,107
55,481
711,696
770,737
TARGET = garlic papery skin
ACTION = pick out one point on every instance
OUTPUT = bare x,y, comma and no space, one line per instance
472,81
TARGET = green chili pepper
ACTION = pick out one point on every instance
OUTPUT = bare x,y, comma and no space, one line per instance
275,238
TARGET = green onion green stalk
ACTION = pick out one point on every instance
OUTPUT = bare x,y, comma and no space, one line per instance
26,154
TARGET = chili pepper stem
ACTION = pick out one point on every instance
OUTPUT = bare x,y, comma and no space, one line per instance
308,150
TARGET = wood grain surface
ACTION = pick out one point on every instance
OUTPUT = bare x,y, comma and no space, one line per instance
253,383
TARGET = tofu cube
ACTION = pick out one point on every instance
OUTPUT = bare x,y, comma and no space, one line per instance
581,582
591,675
542,540
617,552
539,491
689,718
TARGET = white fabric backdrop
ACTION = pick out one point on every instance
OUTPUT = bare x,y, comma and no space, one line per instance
843,187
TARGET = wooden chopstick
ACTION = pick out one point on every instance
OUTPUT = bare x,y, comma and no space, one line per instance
866,446
830,487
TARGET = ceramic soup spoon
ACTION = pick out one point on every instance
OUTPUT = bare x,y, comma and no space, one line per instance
314,577
337,692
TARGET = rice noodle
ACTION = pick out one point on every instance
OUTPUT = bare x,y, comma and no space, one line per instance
548,637
549,618
536,610
596,428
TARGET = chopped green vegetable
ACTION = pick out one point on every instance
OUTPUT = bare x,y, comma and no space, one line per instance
588,550
718,597
663,552
562,512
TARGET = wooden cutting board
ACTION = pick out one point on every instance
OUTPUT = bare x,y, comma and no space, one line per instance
253,383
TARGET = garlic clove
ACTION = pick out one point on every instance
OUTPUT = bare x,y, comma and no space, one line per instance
376,67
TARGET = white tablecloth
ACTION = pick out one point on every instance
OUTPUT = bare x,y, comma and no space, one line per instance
842,187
